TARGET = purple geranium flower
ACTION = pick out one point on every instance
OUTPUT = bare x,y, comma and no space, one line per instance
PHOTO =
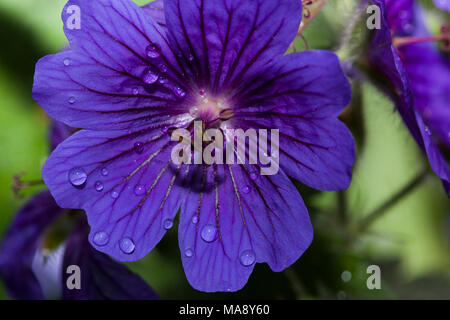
31,272
416,75
130,79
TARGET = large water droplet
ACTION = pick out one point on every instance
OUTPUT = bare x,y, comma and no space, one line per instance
188,253
247,258
104,172
139,190
193,111
150,77
67,62
127,245
152,51
209,233
71,100
77,176
179,92
139,147
195,219
114,194
101,238
99,186
168,224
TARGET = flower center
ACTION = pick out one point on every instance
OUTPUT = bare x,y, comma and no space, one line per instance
211,110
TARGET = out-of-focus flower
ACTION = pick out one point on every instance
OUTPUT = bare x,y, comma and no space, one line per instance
416,75
129,80
31,271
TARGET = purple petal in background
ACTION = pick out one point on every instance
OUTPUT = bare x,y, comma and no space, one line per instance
442,4
20,244
102,277
156,10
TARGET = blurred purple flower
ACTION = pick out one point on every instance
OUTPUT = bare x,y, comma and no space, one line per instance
129,79
416,75
32,272
442,4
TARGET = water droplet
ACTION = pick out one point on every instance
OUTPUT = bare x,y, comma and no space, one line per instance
99,186
114,194
346,276
139,190
127,245
150,77
202,92
71,100
104,172
191,57
162,80
168,224
195,219
188,253
179,92
163,68
247,258
67,62
209,233
152,51
427,130
139,147
101,238
253,176
246,190
77,176
135,91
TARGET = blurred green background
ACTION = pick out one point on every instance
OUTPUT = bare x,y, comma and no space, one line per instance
410,241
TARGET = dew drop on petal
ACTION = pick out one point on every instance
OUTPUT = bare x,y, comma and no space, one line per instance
139,190
152,51
247,258
253,176
209,233
135,91
168,224
114,194
195,219
101,238
127,245
179,92
67,62
202,92
139,147
71,100
162,80
99,186
150,77
246,190
104,172
188,253
77,176
191,57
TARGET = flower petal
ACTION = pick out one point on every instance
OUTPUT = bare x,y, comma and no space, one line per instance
224,40
235,221
124,181
102,277
156,10
301,95
20,243
112,78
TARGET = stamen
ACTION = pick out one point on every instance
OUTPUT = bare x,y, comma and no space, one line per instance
444,38
19,184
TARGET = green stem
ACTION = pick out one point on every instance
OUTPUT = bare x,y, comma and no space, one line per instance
378,212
